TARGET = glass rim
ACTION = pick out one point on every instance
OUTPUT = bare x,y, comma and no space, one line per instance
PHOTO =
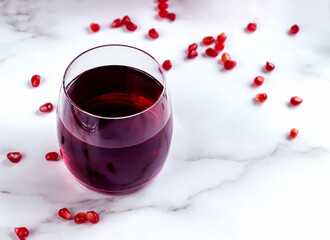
123,117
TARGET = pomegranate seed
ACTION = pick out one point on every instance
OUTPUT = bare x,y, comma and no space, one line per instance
80,218
162,0
229,64
225,57
294,132
92,217
219,46
162,5
21,232
131,26
153,33
261,97
192,54
163,13
116,23
14,157
35,80
167,65
64,213
47,107
208,40
52,156
296,100
193,46
126,19
259,80
94,27
222,37
171,16
251,27
270,66
211,52
294,29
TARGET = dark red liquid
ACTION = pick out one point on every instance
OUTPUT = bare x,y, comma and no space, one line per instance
123,153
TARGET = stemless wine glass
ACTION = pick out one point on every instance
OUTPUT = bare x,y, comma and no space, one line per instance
114,119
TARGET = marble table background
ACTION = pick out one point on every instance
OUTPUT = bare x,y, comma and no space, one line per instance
232,173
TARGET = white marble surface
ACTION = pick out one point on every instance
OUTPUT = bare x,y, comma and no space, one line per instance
231,174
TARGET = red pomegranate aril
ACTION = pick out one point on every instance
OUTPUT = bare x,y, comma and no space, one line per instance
65,213
162,5
192,54
193,46
225,57
52,156
126,19
261,97
94,27
219,46
22,232
294,132
294,29
92,217
208,40
14,157
131,26
116,23
259,80
35,81
47,107
153,33
222,37
211,52
296,100
229,64
171,16
251,27
167,65
162,1
80,218
163,13
269,66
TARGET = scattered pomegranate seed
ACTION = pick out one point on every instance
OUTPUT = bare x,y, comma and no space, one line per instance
162,0
211,52
131,26
64,213
167,65
171,16
294,132
219,46
270,66
251,27
208,40
162,5
47,107
261,97
294,29
192,54
14,157
153,33
126,19
163,13
80,218
52,156
94,27
21,232
222,37
92,217
35,80
193,46
116,23
296,100
225,57
259,80
229,64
